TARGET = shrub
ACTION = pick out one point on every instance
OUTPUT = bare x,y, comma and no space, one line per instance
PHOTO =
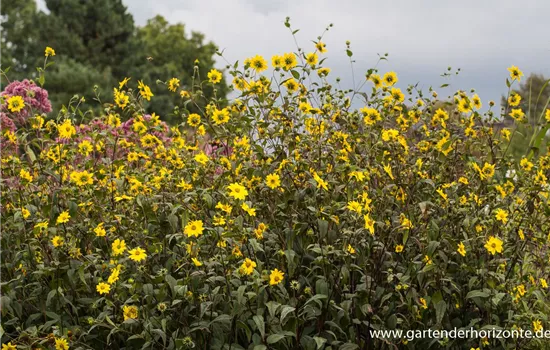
295,216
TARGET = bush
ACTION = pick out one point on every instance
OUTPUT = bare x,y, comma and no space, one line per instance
295,216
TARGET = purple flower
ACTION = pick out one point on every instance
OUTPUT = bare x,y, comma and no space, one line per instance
33,95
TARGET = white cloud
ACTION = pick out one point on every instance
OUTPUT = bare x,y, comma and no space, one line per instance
422,37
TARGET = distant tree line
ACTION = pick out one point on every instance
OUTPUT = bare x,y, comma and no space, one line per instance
98,44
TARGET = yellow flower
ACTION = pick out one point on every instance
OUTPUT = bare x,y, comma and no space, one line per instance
370,115
63,218
312,59
291,85
517,114
355,206
376,80
25,175
130,312
273,181
173,84
196,262
121,99
144,91
9,346
249,210
537,326
515,73
194,228
248,266
100,230
82,178
66,130
276,277
399,248
493,245
514,99
461,249
201,158
237,191
387,169
137,254
390,78
103,288
320,182
543,283
323,72
501,215
118,247
16,103
57,241
214,76
547,115
115,272
49,51
220,116
25,212
277,61
61,344
258,63
369,223
350,249
123,82
423,303
427,260
289,61
321,47
194,120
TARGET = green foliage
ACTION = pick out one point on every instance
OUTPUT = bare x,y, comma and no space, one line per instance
99,40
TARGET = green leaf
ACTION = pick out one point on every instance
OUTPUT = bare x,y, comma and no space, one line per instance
477,294
285,311
295,74
274,338
319,341
259,320
440,309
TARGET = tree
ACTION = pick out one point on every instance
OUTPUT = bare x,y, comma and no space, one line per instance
19,37
535,98
166,52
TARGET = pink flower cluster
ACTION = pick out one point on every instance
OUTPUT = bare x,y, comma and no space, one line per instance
36,101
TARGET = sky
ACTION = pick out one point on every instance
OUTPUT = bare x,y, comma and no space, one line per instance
422,37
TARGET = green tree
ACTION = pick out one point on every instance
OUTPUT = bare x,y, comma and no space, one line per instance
167,52
535,98
19,39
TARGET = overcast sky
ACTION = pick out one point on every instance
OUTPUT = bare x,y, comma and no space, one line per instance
423,37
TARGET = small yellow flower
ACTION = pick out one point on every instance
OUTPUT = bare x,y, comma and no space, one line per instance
276,277
9,346
16,104
49,51
273,181
501,215
461,249
103,288
194,228
63,218
130,312
493,245
237,191
248,266
399,248
515,73
350,249
196,262
137,254
214,76
423,303
61,344
57,241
